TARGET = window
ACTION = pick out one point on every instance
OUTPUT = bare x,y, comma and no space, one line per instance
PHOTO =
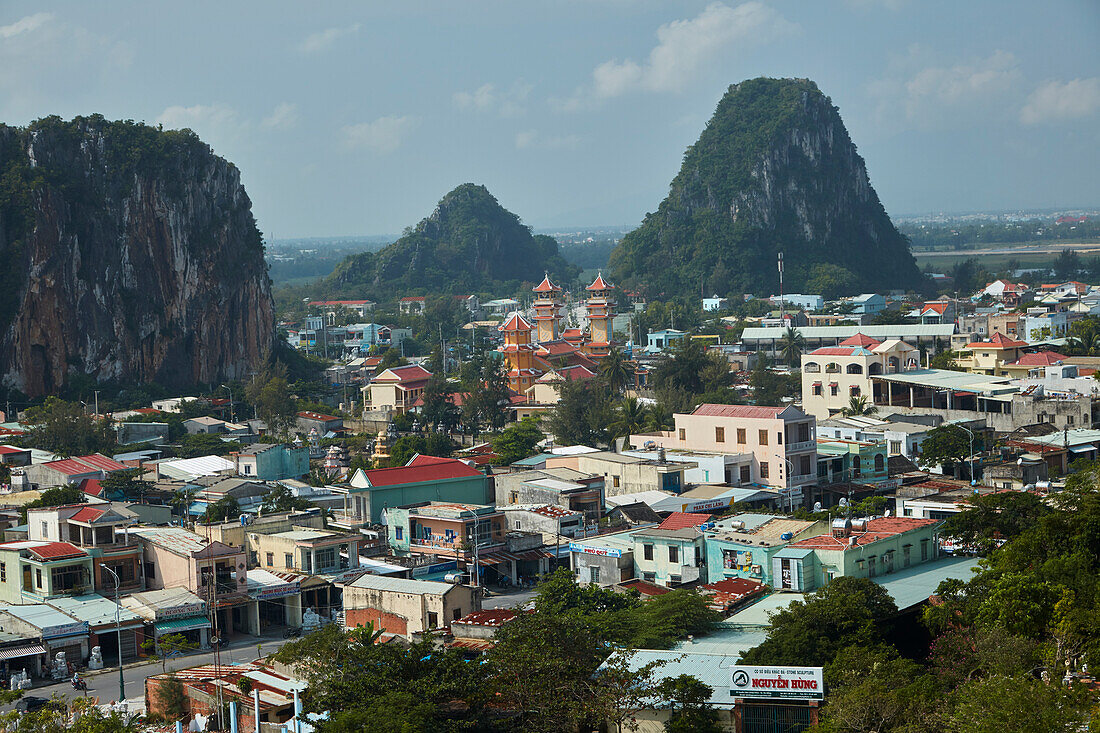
595,574
779,438
719,435
3,572
870,567
854,391
68,578
854,369
38,577
763,435
817,389
763,469
683,433
649,577
880,462
811,367
150,571
433,619
804,465
1069,419
253,557
803,432
270,559
456,614
905,556
834,389
399,532
517,524
248,469
45,530
124,571
289,560
673,553
895,447
746,474
615,481
741,436
674,580
647,552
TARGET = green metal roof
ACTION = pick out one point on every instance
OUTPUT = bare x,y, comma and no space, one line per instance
182,624
913,586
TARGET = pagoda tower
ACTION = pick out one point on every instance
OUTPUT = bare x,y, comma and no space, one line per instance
599,306
548,305
519,353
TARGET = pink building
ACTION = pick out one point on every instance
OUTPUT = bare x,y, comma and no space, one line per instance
779,442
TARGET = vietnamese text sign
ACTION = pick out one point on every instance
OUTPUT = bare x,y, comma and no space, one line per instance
783,683
603,551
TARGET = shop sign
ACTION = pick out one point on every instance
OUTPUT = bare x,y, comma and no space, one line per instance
777,683
80,627
188,609
270,592
439,567
601,551
701,506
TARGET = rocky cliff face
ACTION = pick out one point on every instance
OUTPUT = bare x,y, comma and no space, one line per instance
131,254
774,170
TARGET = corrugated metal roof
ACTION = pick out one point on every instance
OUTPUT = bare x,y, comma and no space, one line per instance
912,330
758,615
400,585
172,538
93,608
914,585
40,615
710,669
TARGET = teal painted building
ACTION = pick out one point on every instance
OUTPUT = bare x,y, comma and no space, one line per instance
273,461
859,461
424,479
743,546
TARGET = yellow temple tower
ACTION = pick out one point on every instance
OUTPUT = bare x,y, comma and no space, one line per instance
548,306
599,306
519,353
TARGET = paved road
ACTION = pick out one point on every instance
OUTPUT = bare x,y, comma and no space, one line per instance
104,684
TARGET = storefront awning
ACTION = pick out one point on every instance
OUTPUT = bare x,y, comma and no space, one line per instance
21,651
181,624
1082,448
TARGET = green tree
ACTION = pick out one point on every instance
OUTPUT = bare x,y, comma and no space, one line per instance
945,359
849,611
391,357
428,444
689,705
1020,704
992,518
791,346
269,392
616,370
487,395
770,388
583,413
63,428
57,496
280,499
128,484
172,699
630,418
222,510
946,444
205,444
831,281
858,407
873,689
1067,265
518,441
439,410
168,646
621,689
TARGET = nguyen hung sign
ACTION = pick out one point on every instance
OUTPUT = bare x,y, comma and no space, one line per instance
780,683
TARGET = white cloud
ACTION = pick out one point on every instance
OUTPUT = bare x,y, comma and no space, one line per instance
683,47
25,25
1055,101
531,139
198,117
487,98
283,117
930,94
321,40
383,135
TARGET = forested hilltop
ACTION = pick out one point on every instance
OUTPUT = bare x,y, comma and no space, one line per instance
773,170
470,243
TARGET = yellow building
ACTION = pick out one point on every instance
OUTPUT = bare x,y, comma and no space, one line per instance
990,357
519,353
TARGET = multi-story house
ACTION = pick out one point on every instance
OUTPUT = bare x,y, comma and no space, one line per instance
858,461
862,548
272,461
781,441
833,375
743,546
445,528
989,357
396,388
673,553
32,571
102,533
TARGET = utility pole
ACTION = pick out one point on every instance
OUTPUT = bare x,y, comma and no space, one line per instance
96,392
118,637
781,321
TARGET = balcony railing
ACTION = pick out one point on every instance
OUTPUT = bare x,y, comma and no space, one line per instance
800,446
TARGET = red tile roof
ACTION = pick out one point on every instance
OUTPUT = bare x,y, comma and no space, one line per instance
516,323
877,529
310,415
599,283
546,286
730,592
439,469
1040,358
644,587
8,450
997,341
682,520
413,299
55,550
840,351
91,486
88,514
407,374
740,586
936,307
860,340
489,617
750,411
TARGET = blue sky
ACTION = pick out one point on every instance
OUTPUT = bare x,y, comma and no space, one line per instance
356,117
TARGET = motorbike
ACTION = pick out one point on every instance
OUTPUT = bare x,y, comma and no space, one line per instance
292,633
79,684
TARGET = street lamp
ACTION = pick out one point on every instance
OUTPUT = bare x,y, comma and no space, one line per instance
790,472
118,637
232,417
973,481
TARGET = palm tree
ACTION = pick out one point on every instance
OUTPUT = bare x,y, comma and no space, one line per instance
615,368
859,407
791,346
630,417
657,417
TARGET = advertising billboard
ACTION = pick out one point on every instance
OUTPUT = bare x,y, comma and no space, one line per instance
777,683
